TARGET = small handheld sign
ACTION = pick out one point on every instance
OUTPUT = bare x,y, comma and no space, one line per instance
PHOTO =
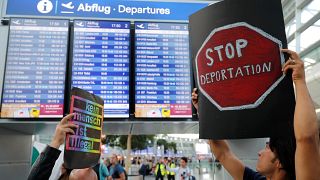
82,149
237,66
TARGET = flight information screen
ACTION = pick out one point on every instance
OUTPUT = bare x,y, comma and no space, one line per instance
162,70
101,63
34,81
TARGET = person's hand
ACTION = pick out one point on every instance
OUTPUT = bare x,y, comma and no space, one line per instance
296,65
194,98
62,129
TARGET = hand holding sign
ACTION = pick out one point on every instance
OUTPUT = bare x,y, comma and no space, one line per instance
82,147
296,65
62,129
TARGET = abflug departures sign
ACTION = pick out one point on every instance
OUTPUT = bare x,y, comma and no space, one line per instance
118,9
83,148
237,62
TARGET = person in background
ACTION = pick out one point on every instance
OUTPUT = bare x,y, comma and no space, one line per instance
101,170
116,170
160,169
171,174
144,167
122,161
291,158
106,162
43,166
150,164
182,172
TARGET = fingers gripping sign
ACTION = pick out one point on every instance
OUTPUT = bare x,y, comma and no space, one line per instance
295,64
62,129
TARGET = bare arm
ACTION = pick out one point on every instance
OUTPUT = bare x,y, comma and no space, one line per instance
230,161
221,150
307,157
42,168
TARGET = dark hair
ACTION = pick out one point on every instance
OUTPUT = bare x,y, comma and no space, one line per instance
284,148
185,159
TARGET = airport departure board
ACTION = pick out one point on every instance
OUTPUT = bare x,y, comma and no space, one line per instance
34,81
101,63
162,70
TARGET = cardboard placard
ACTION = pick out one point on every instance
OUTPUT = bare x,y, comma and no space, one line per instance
237,67
82,149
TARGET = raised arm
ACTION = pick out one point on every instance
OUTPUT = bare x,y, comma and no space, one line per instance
221,150
42,168
229,161
307,157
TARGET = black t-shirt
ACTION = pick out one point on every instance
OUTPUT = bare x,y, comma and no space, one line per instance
249,174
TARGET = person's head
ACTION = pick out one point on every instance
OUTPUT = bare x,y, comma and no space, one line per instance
183,162
144,161
114,159
83,174
165,159
277,156
65,173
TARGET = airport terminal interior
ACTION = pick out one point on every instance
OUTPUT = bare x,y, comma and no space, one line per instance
138,128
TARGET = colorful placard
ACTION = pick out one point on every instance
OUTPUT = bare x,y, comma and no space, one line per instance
83,148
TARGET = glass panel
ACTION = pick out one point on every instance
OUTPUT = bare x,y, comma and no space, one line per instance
312,58
291,27
310,35
292,45
310,10
288,8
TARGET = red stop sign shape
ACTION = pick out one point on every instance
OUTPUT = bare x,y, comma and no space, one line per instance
238,65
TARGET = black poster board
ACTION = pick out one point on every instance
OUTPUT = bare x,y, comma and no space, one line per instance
82,149
235,47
